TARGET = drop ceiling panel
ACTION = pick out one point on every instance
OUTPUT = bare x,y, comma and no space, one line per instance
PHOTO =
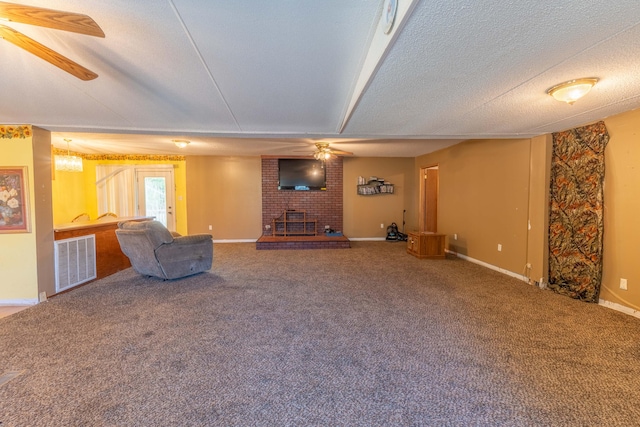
281,67
233,76
150,78
530,111
455,58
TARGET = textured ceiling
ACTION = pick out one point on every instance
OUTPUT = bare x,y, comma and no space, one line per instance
251,78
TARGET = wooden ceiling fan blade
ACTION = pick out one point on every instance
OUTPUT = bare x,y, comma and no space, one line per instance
56,19
342,153
49,55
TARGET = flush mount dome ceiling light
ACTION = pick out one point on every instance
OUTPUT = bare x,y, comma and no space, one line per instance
181,143
572,90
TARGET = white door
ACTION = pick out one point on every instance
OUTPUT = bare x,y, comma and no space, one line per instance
156,195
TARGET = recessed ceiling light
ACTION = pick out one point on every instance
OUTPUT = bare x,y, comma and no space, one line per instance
572,90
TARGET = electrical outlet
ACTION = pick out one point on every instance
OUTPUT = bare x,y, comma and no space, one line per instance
211,227
455,237
623,284
326,227
42,297
499,247
381,225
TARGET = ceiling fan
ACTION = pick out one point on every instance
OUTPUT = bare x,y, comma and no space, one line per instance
59,20
324,152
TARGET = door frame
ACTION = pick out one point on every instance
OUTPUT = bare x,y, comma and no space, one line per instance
157,170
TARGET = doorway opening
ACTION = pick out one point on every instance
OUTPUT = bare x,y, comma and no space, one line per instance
137,191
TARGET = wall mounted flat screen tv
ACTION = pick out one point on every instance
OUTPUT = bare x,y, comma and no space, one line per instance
301,174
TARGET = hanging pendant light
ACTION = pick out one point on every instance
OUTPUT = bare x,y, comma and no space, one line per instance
68,163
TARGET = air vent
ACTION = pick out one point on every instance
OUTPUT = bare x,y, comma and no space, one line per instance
75,261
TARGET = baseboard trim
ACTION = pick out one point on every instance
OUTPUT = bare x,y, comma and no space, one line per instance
608,304
17,302
353,239
619,307
490,266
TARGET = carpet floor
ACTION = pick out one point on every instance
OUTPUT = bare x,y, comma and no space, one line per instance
367,336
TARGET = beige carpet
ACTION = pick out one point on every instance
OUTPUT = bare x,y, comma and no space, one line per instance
367,336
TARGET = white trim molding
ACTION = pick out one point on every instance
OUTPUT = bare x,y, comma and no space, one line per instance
489,266
235,241
369,239
17,302
608,304
619,307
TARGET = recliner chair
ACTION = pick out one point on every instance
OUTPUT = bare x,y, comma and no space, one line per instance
154,251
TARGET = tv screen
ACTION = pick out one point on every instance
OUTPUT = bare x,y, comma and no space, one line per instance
301,174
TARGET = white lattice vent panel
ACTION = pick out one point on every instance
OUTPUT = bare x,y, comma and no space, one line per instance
75,261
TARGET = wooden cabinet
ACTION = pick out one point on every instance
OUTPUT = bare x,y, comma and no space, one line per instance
425,245
294,223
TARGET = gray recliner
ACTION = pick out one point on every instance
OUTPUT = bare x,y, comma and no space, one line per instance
154,251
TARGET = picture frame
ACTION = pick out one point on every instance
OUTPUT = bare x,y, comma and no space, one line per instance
14,200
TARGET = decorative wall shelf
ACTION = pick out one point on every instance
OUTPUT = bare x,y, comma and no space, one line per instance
374,186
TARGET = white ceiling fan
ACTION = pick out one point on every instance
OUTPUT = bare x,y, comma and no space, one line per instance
59,20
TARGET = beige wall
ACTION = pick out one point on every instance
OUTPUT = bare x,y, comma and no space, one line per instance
487,187
621,209
364,214
538,227
43,205
226,193
483,198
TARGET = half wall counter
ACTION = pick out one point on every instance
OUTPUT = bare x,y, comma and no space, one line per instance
88,250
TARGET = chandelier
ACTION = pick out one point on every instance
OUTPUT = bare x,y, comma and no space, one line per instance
68,163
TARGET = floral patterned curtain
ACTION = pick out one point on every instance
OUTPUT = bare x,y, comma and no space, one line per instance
576,225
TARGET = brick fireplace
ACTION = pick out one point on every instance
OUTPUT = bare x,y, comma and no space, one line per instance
325,206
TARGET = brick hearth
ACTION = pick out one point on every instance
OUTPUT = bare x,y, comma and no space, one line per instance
303,242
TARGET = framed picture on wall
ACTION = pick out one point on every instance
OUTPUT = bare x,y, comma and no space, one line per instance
14,200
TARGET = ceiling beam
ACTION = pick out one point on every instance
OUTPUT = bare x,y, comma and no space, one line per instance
381,44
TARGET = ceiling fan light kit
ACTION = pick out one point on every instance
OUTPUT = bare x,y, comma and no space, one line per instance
49,18
322,156
572,90
323,152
